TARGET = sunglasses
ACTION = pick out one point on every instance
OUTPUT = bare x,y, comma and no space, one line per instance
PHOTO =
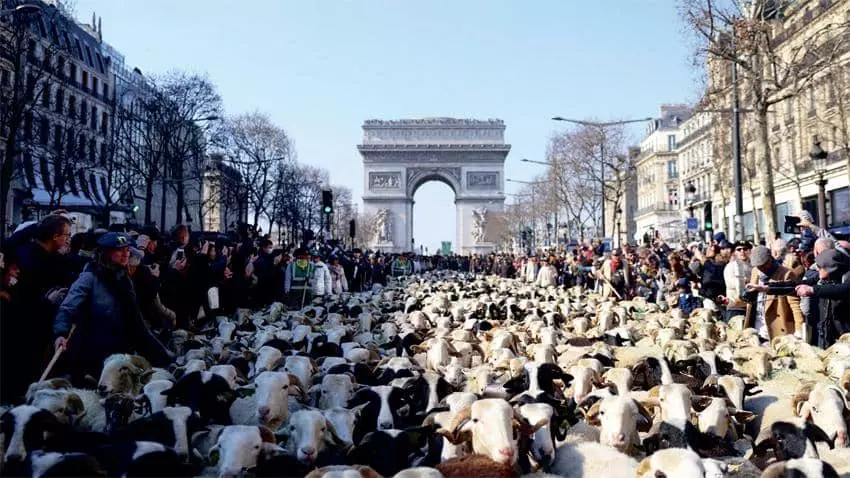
739,249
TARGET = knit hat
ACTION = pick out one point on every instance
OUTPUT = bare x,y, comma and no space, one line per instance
806,216
760,256
832,261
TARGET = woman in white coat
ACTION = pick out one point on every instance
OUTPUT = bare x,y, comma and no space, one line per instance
339,283
529,270
320,285
547,276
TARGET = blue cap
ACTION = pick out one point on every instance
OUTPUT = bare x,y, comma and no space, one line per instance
114,240
719,237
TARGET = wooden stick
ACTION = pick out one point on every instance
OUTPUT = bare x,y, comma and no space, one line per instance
612,287
56,354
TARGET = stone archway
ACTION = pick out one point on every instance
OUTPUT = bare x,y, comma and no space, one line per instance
400,156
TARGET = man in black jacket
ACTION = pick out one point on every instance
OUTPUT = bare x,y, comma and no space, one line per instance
833,296
43,281
357,271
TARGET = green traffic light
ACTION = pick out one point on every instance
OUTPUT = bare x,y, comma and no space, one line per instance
327,209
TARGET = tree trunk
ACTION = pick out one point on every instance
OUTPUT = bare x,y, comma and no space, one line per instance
6,173
149,200
768,194
162,209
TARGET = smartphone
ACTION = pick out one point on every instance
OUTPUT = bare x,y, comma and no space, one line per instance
180,254
792,224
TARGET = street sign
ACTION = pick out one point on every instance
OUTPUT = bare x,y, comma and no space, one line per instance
446,248
692,223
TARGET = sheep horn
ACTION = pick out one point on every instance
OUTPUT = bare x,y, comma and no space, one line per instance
140,362
459,419
802,395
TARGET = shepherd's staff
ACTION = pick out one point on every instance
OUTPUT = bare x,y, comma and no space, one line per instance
612,287
56,354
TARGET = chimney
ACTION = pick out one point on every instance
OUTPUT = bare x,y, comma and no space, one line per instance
92,20
99,29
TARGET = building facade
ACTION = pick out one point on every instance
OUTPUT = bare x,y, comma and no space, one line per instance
224,198
819,109
659,190
696,170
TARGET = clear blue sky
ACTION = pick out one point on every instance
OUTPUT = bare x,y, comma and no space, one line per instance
321,67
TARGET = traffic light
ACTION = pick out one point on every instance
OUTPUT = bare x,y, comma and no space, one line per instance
327,201
706,213
351,229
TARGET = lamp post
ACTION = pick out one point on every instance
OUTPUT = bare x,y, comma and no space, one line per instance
601,127
690,195
550,164
533,203
819,156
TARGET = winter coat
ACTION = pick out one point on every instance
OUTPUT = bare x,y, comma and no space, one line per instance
782,314
102,305
547,276
735,275
529,271
713,279
339,283
321,283
833,299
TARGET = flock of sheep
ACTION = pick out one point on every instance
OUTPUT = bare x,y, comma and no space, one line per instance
450,375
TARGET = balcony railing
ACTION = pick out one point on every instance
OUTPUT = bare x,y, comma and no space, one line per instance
661,207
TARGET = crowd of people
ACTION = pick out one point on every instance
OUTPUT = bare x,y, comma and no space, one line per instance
101,292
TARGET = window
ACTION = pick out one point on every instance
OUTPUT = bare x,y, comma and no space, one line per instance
105,91
88,57
60,100
85,80
673,198
29,170
45,96
44,131
840,202
92,151
72,107
93,118
84,111
28,119
810,96
44,166
94,84
81,147
671,142
60,66
73,75
57,138
103,155
104,122
672,171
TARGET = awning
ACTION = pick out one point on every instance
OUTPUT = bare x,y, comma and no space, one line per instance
78,193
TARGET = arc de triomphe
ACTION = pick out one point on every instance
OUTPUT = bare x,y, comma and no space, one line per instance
400,156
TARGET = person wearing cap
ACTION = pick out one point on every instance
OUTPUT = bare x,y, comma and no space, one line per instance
296,279
832,296
401,266
357,272
772,315
102,304
736,275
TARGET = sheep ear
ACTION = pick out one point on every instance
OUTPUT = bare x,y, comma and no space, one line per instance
743,416
592,415
804,410
700,402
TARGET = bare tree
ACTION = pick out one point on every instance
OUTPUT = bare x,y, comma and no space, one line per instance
255,147
183,106
28,47
752,37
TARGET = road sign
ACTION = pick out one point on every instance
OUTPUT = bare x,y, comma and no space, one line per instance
446,248
692,223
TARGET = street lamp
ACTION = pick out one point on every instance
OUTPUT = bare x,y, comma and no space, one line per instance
690,197
819,156
533,202
601,127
